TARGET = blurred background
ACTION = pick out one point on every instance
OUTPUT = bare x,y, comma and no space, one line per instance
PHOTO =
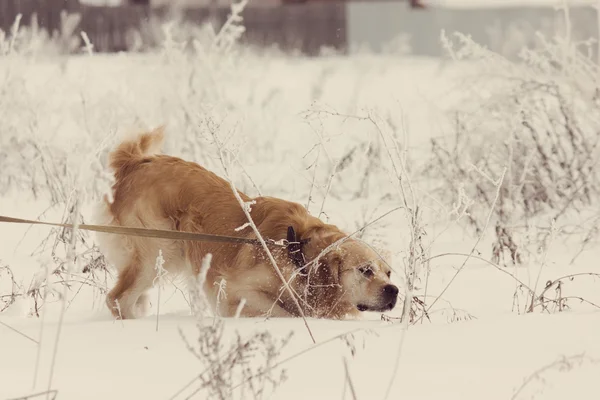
310,27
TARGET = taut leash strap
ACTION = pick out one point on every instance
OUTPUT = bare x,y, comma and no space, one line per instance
154,233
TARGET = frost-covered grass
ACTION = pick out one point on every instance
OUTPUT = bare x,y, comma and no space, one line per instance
351,139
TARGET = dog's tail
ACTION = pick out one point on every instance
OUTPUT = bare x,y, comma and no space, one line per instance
129,152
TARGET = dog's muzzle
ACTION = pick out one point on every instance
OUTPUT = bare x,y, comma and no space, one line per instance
388,299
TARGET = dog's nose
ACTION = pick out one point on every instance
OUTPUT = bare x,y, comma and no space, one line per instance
390,290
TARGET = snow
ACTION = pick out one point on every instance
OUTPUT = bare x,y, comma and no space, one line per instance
476,346
468,360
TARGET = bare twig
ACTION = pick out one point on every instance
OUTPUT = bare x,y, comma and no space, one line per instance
490,213
271,258
349,380
160,271
19,332
312,184
71,260
551,284
300,353
564,298
564,363
245,209
48,393
499,268
553,231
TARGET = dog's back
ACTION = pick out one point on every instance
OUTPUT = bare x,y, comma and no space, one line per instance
157,191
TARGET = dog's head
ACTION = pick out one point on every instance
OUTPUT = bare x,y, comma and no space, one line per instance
349,276
365,277
360,273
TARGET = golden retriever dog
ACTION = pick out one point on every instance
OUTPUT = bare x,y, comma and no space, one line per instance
157,191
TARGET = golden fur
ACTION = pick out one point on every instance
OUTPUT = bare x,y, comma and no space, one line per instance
162,192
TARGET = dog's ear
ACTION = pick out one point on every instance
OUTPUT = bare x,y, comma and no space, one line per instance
330,268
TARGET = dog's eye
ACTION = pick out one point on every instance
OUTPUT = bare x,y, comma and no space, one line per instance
366,271
389,273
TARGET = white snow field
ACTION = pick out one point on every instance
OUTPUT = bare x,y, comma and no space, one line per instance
337,130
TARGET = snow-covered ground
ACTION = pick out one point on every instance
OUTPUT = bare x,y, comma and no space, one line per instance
488,358
61,116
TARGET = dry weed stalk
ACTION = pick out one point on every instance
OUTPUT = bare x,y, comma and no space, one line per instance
540,119
347,337
388,136
562,365
49,395
10,296
225,156
590,235
18,332
93,270
534,299
498,184
71,264
388,142
31,164
349,380
560,301
249,358
160,273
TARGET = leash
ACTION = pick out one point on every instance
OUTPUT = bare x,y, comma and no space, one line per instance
153,233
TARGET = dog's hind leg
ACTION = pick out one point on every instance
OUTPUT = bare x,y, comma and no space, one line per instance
128,299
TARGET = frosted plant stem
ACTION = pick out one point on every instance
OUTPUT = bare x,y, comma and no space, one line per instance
63,302
271,259
487,222
245,209
41,338
349,380
159,273
19,332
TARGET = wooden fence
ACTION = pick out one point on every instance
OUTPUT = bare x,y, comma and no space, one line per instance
305,27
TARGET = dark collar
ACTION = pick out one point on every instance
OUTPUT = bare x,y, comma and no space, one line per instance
295,248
